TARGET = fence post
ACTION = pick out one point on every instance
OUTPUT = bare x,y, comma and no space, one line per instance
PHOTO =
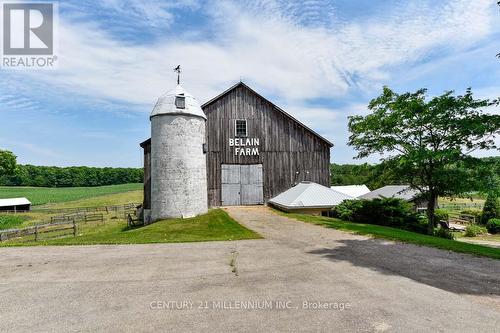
36,233
2,237
74,228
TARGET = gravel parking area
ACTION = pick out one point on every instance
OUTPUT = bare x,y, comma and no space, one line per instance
301,277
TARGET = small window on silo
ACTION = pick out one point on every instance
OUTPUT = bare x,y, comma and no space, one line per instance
180,102
240,128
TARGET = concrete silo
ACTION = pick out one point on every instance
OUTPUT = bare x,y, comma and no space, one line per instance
178,160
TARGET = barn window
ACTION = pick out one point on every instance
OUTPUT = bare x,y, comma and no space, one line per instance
240,128
180,102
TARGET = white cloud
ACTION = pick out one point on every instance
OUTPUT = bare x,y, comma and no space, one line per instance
272,49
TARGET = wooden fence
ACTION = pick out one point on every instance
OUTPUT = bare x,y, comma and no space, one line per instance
78,217
460,206
57,229
462,218
59,226
104,209
68,221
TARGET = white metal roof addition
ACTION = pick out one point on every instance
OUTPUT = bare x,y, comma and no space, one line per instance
393,191
352,190
309,195
14,202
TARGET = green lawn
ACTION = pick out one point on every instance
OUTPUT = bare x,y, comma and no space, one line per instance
45,195
216,225
398,235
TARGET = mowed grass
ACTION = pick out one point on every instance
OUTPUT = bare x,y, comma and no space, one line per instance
216,225
398,235
42,214
46,195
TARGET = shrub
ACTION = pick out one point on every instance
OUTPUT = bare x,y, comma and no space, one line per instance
387,212
443,233
11,221
441,215
477,213
493,226
474,230
491,208
347,209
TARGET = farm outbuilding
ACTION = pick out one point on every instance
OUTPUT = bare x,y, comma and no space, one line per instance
308,198
403,192
254,150
15,204
352,190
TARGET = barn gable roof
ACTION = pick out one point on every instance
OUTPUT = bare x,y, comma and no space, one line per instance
241,84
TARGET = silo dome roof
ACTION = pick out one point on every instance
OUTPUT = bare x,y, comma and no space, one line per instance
167,104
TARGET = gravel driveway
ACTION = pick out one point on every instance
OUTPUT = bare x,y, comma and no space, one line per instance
301,277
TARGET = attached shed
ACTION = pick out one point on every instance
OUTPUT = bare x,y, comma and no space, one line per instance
15,204
308,198
146,146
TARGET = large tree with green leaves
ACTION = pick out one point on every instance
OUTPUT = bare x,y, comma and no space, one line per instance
428,143
7,162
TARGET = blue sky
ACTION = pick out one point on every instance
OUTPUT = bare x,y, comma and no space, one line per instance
319,60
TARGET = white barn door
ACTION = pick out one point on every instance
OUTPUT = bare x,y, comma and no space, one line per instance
242,184
230,178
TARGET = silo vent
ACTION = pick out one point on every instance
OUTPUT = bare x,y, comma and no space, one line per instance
180,102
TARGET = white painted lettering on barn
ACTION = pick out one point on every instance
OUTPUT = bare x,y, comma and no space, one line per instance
245,146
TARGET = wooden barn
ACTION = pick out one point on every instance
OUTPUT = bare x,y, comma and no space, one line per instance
255,150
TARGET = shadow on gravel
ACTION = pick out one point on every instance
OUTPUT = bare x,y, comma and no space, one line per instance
454,272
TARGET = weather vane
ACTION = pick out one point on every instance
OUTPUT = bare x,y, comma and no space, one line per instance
178,71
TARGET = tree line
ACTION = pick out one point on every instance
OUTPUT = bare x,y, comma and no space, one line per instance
377,175
80,176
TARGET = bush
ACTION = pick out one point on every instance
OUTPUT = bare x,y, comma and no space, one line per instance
491,208
477,213
11,221
443,233
474,230
387,212
348,210
441,215
493,226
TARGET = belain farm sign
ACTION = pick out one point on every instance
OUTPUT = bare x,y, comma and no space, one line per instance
245,146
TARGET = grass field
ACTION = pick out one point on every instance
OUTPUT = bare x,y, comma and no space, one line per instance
216,225
44,195
462,203
12,221
398,235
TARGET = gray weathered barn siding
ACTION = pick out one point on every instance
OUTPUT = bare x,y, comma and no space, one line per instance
286,146
146,145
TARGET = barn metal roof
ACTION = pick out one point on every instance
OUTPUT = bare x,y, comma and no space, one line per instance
352,190
274,105
393,191
309,195
14,202
166,104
